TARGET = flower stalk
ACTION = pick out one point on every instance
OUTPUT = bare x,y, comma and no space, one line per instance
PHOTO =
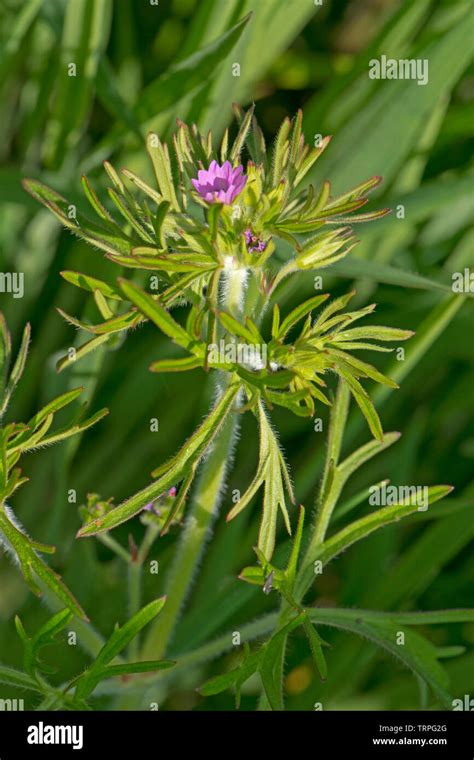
204,507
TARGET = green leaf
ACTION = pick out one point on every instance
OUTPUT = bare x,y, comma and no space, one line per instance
362,368
366,525
147,258
82,351
279,151
116,324
51,628
234,678
121,204
5,353
162,205
107,235
359,498
93,199
374,332
85,35
364,453
102,305
420,204
22,23
47,411
298,314
417,653
31,564
241,136
45,636
121,637
295,550
65,432
118,641
17,370
181,80
173,471
364,402
253,574
384,131
429,330
316,642
109,93
234,327
424,558
311,159
158,221
271,21
153,309
377,272
427,617
176,365
271,679
17,679
91,284
272,474
332,308
161,164
30,440
145,666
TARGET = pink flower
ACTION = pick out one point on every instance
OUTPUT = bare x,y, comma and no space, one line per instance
150,507
253,242
220,183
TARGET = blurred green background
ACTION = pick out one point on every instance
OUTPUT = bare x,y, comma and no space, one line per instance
140,66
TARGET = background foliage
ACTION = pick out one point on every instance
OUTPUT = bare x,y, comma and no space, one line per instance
145,66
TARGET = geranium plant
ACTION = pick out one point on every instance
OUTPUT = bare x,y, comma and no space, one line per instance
222,232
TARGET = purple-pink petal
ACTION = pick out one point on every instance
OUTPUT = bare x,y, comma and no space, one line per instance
220,183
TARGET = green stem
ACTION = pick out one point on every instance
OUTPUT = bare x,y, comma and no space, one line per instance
234,288
329,493
204,506
207,652
114,546
149,538
188,555
134,603
330,486
135,576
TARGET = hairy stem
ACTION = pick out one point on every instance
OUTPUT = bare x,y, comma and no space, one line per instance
135,578
114,546
191,546
330,487
328,496
204,506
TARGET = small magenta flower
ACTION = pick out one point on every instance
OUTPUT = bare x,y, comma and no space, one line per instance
220,183
150,507
254,244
